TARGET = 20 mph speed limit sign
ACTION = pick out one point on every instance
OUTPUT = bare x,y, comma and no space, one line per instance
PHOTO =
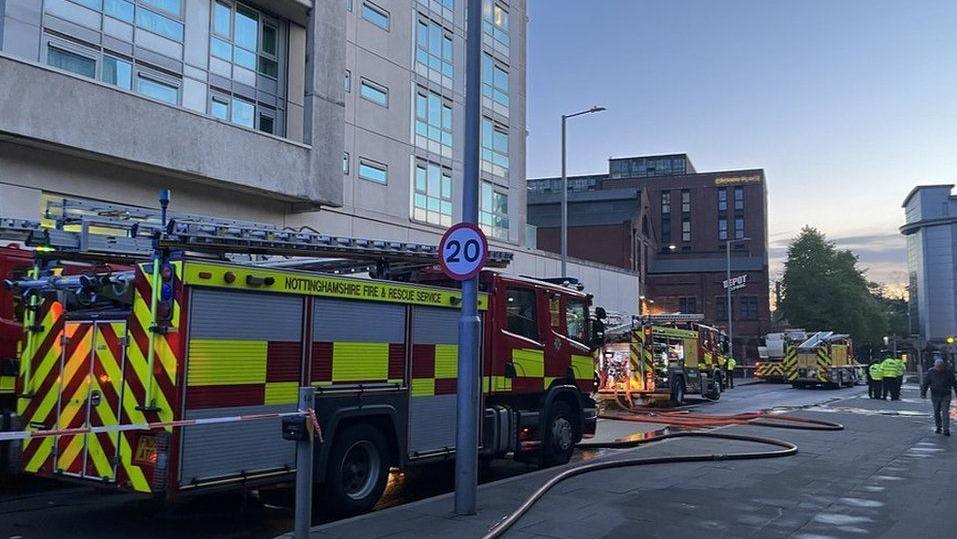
463,251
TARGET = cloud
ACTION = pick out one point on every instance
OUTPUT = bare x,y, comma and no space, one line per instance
883,255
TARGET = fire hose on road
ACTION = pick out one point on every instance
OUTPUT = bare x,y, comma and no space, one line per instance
677,419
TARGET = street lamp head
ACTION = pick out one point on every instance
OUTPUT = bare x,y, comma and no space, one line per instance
672,247
597,108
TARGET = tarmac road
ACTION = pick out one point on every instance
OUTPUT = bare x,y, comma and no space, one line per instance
33,508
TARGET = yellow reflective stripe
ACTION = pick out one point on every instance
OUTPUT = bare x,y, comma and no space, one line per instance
68,455
360,361
282,393
446,360
583,367
164,356
286,282
423,387
7,383
529,363
136,477
221,362
498,383
136,366
547,381
395,381
46,447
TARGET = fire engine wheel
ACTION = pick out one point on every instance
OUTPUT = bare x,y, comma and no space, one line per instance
560,435
358,471
678,392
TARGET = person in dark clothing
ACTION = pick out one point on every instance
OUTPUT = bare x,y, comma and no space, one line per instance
871,386
940,380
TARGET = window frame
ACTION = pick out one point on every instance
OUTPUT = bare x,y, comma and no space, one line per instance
365,161
444,219
569,301
722,199
722,232
685,201
139,71
493,215
71,48
685,229
535,321
367,83
739,200
366,4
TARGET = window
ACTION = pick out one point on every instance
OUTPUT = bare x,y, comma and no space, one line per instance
721,307
161,91
665,218
495,83
722,228
688,304
219,107
345,163
576,319
158,24
738,228
244,113
493,211
117,72
373,92
749,308
685,201
432,194
348,81
71,61
686,229
173,7
267,120
120,9
494,148
521,313
372,171
739,198
433,122
495,24
245,46
376,15
722,199
433,47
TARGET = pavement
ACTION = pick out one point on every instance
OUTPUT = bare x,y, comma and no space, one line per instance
886,475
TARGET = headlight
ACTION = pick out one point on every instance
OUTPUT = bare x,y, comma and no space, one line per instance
664,378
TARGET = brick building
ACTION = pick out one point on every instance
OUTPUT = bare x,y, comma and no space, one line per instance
683,220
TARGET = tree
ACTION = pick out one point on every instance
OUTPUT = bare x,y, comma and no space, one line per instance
824,290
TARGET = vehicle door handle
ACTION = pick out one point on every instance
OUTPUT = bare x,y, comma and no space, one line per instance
95,397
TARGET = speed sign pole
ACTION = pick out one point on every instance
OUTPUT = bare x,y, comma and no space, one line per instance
466,431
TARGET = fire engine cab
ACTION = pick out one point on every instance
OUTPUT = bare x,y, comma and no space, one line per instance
192,332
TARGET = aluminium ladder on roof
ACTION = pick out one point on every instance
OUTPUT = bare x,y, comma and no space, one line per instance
119,231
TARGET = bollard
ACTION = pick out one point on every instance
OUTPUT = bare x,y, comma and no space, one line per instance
300,430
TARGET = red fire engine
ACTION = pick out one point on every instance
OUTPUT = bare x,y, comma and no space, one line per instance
187,337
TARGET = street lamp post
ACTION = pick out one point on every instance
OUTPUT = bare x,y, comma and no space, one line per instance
727,248
565,189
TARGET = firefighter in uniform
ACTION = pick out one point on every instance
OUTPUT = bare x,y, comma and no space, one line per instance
877,380
729,366
892,369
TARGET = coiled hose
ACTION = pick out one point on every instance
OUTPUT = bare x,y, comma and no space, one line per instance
785,449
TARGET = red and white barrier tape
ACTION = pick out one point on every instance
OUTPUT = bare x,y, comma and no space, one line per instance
25,434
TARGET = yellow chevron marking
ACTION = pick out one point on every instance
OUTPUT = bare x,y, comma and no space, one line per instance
69,454
46,447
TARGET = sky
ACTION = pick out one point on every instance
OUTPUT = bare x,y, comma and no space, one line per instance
846,105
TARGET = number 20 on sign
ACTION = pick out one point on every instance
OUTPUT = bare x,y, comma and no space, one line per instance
463,251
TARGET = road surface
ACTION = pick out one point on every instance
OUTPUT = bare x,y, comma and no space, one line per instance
39,509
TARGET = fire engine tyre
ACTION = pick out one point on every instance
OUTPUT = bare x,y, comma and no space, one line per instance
358,471
678,392
560,435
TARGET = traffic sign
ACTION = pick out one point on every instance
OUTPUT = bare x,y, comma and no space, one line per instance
462,251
